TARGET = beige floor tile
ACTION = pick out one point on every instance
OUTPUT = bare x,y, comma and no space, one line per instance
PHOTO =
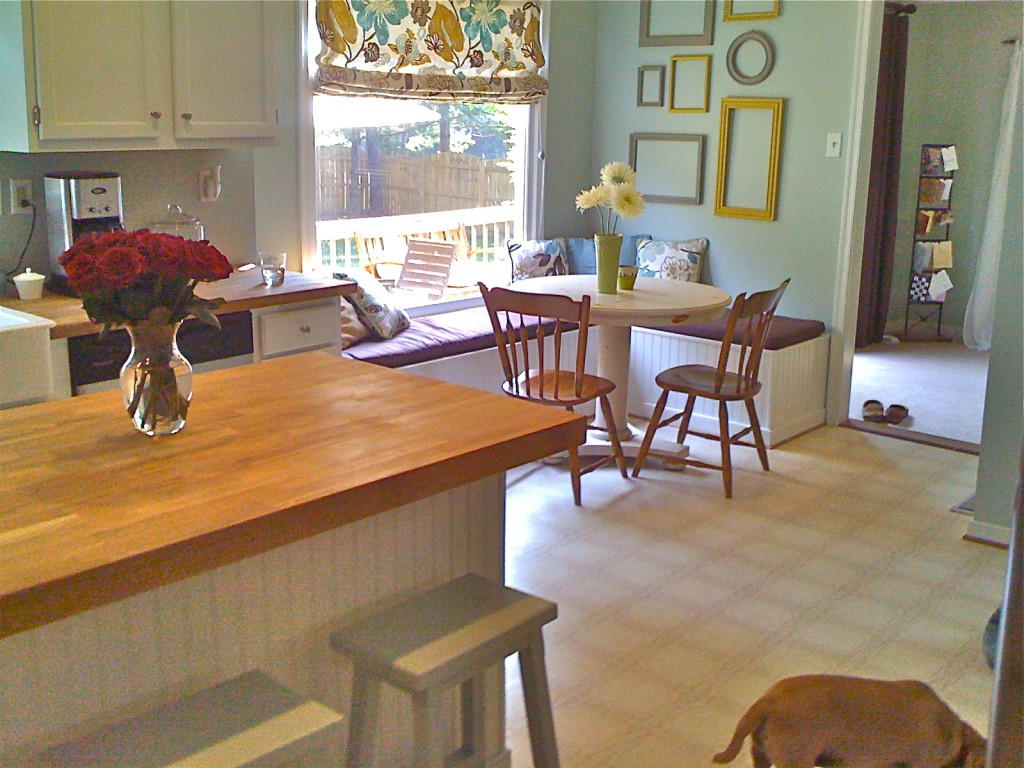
679,607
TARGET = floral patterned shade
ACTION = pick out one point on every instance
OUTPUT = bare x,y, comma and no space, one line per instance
479,50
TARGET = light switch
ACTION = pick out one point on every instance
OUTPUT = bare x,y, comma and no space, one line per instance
834,145
209,184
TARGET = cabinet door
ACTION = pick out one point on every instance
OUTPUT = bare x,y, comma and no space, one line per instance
101,68
222,75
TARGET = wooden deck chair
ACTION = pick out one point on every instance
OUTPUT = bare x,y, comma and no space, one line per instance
427,266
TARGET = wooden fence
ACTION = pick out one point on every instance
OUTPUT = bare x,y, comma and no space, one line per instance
407,184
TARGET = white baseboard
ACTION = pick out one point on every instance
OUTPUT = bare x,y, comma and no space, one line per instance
988,533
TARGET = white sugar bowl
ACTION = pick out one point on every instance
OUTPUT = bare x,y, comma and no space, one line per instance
29,285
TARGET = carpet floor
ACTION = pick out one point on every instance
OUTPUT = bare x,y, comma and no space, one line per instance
941,384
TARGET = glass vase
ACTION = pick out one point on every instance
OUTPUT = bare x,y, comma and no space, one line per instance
156,380
608,248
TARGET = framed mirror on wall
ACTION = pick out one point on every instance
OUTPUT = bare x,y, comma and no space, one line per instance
749,153
669,166
676,22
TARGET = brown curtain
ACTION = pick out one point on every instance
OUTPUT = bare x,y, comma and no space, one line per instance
884,184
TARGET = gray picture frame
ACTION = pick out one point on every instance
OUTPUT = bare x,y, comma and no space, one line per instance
672,171
659,37
648,76
761,39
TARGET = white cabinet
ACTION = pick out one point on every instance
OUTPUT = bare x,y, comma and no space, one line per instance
141,74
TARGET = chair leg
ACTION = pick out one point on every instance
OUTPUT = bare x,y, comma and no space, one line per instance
726,442
539,718
574,473
473,697
362,726
613,434
652,427
684,425
755,425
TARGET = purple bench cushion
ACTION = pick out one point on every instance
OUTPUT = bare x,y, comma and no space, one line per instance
785,331
432,338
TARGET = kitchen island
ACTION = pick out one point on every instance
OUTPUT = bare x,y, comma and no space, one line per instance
301,491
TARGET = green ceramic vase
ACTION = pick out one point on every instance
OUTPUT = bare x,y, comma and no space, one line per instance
608,248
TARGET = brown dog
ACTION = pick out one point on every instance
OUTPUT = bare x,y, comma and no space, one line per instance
831,720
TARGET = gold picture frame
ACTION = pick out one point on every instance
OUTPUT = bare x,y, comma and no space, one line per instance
749,154
689,84
763,9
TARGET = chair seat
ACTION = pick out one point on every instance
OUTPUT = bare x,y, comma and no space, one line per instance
543,385
700,380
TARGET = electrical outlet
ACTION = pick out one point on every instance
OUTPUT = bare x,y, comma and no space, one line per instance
20,189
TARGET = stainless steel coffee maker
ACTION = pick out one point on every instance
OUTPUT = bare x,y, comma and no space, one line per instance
78,203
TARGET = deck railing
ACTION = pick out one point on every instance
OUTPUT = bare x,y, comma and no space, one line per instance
487,231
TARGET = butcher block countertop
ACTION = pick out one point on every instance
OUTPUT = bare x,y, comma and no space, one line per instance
243,290
94,511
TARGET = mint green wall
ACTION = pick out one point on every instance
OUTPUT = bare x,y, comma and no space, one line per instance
815,43
1003,424
956,74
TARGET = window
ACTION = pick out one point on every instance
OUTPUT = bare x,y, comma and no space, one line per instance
387,168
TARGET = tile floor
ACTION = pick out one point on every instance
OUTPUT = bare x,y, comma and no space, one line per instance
677,607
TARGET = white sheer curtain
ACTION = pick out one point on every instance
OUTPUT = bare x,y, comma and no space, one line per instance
980,315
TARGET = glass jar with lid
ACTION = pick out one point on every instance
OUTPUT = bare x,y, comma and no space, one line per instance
177,222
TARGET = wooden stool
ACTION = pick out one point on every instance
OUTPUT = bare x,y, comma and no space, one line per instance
429,643
248,721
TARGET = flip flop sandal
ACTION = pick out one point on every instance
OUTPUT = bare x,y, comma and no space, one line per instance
873,411
895,413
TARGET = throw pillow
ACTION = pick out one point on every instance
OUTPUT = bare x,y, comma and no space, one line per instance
537,258
385,319
672,260
352,328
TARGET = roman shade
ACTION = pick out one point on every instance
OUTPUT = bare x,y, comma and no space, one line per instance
453,50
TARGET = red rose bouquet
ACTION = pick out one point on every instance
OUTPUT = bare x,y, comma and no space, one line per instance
142,276
146,281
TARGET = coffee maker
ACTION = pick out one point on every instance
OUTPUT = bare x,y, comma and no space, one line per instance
78,203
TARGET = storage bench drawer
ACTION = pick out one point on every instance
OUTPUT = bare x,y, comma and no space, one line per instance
297,330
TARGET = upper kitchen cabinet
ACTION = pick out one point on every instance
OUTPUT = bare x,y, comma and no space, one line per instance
114,75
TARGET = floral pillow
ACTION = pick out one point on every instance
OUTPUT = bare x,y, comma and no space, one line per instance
672,260
538,258
384,319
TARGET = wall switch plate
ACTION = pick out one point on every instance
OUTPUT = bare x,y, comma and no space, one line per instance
20,189
209,184
834,145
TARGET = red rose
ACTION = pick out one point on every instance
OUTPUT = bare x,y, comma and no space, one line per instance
81,269
119,267
206,263
166,255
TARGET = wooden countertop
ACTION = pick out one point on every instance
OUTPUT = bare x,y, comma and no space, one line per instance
94,511
243,290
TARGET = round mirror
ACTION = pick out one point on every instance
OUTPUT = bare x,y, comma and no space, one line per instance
744,58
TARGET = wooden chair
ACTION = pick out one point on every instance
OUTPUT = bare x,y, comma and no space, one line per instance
745,334
533,367
381,250
427,266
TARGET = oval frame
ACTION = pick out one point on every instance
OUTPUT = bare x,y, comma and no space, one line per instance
769,57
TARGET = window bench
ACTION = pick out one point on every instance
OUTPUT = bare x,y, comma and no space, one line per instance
459,347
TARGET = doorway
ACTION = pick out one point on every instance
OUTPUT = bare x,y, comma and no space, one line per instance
942,385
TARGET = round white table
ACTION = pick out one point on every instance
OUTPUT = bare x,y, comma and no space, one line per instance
653,301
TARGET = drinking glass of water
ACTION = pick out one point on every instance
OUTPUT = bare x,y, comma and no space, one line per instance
272,265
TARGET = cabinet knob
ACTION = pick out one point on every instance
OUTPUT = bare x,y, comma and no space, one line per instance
156,115
186,115
304,328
